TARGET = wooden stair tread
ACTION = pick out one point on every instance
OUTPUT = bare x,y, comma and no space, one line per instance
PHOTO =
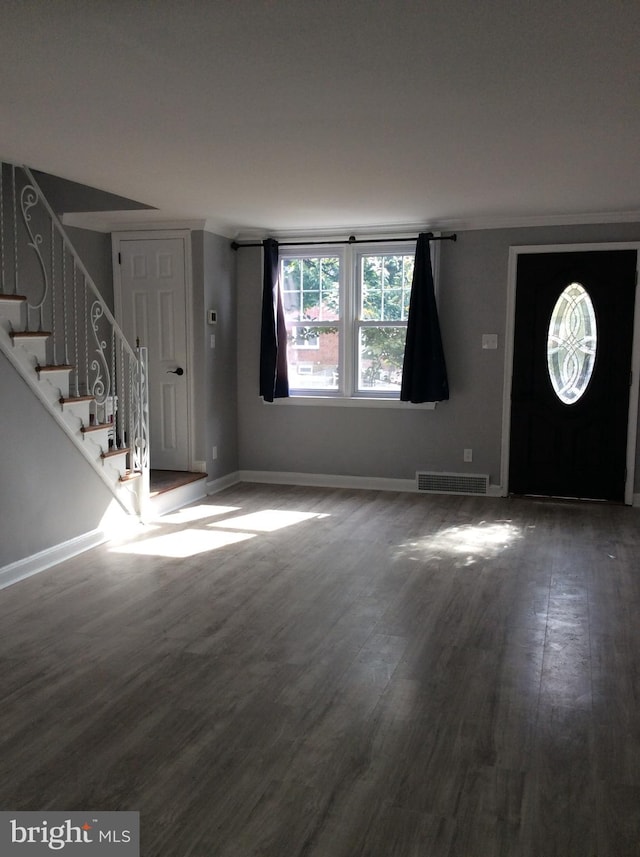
130,475
97,427
50,368
112,452
28,334
13,298
70,400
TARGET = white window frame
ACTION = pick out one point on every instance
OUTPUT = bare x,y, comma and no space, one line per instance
350,257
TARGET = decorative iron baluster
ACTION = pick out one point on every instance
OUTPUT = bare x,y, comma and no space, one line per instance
85,316
140,443
100,383
28,200
15,234
53,295
114,387
76,361
130,424
65,320
2,270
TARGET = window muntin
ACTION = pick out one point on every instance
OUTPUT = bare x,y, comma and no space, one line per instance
571,343
346,311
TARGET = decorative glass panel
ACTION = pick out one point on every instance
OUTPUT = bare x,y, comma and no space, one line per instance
571,343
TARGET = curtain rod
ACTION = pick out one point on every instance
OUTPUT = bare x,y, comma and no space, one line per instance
350,240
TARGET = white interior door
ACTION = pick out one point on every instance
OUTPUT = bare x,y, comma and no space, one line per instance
151,305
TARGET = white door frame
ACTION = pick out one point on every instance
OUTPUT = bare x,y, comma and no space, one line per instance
155,235
632,425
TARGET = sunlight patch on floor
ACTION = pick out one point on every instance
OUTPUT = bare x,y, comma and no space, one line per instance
473,541
183,544
196,513
266,521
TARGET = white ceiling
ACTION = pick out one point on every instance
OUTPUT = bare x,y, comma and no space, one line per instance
282,115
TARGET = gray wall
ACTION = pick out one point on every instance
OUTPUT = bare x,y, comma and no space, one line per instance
48,492
395,443
94,249
216,378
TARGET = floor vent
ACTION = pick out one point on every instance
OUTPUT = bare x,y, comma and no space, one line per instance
452,483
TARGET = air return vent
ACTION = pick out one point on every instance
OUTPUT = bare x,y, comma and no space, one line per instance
452,483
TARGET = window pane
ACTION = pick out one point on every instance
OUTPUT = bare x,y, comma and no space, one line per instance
385,287
311,288
571,343
313,357
380,356
291,270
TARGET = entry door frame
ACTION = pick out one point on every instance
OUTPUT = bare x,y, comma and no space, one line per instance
632,424
157,235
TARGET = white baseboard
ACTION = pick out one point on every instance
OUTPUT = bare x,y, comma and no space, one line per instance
223,482
327,480
22,568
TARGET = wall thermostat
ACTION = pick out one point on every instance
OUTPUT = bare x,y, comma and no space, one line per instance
212,316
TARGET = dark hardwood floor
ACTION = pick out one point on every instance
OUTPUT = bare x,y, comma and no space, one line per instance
292,672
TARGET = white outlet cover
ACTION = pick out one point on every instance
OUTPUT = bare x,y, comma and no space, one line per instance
489,340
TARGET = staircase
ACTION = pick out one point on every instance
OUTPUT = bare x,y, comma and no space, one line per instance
60,336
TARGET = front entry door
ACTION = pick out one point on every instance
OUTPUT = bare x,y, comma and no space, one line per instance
152,309
571,373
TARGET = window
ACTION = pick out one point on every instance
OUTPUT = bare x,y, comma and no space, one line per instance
346,315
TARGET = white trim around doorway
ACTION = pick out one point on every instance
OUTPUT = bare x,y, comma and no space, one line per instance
159,234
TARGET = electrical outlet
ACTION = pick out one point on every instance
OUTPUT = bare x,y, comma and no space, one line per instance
468,455
489,340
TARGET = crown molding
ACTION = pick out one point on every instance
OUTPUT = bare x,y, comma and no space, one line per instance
454,224
130,221
119,221
528,221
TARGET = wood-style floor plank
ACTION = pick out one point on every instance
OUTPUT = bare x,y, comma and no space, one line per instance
295,672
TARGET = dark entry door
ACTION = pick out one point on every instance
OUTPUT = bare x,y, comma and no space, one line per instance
571,373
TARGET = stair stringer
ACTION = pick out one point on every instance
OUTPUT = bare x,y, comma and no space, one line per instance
111,469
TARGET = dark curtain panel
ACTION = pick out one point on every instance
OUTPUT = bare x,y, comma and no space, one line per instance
424,373
274,381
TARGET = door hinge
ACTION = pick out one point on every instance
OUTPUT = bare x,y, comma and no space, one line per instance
119,258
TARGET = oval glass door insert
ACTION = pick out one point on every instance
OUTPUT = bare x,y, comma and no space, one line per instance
572,343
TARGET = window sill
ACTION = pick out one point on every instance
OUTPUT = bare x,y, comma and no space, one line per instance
353,402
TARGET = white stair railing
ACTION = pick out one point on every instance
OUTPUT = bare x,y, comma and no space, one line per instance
39,262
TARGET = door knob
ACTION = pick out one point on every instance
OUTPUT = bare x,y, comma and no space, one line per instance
178,371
